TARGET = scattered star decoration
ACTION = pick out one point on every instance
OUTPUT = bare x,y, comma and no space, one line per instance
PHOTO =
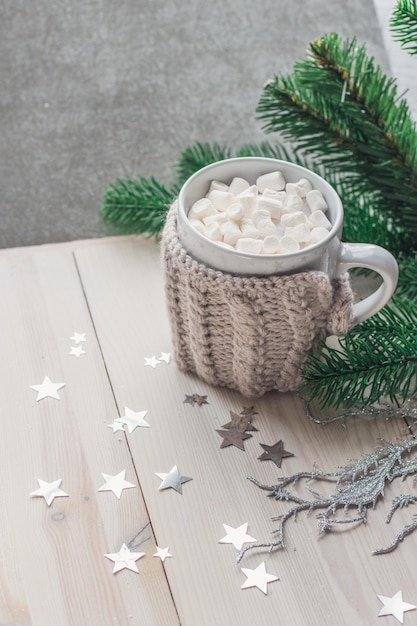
237,536
274,453
76,351
151,361
116,483
133,419
258,578
125,559
165,356
116,425
395,606
78,337
233,437
195,398
47,389
49,491
162,553
173,480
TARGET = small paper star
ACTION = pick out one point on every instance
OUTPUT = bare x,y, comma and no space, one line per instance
151,361
117,425
165,356
242,422
116,483
133,419
173,480
237,536
76,351
233,437
47,389
162,553
274,453
395,606
125,559
258,578
78,337
189,399
49,491
200,400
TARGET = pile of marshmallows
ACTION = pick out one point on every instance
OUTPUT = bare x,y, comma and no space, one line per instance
270,217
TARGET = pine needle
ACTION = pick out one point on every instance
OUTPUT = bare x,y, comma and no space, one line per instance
403,25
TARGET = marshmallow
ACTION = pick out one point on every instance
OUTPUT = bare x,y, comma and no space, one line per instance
317,234
218,185
212,231
292,219
234,212
292,203
315,201
288,244
262,221
317,218
247,199
221,199
270,244
249,229
238,185
219,218
273,180
300,188
246,244
274,206
300,233
231,232
198,225
201,208
276,195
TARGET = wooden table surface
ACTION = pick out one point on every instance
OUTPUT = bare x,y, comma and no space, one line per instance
53,569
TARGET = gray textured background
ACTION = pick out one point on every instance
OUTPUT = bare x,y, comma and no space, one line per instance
92,90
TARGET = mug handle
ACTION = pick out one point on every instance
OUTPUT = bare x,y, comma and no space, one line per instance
377,259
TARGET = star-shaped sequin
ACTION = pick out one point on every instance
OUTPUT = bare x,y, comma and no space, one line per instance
76,351
133,419
125,559
241,422
173,480
237,536
274,453
47,389
78,337
151,362
165,356
258,578
116,425
116,483
395,606
49,491
162,553
233,437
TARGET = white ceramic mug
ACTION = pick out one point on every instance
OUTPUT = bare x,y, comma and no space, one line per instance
329,255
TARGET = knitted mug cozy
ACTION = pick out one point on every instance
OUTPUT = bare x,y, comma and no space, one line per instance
251,334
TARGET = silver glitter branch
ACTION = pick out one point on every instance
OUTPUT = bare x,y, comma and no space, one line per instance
358,485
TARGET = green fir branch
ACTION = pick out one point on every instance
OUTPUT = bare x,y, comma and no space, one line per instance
403,25
137,206
197,156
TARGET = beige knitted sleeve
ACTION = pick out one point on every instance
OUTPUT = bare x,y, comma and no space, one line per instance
252,334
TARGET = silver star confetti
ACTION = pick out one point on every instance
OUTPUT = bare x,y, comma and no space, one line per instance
162,553
133,419
173,480
125,559
116,483
78,337
47,389
76,351
116,425
237,536
165,356
151,361
395,606
258,578
49,491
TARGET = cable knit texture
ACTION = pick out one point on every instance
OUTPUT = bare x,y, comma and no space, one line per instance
252,334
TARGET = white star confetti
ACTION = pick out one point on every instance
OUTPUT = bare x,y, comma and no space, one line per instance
76,351
78,337
395,606
162,553
125,559
133,419
173,480
116,483
258,578
49,491
116,426
237,536
151,361
47,389
165,356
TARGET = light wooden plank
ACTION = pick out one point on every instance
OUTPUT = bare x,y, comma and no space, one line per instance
52,565
332,581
